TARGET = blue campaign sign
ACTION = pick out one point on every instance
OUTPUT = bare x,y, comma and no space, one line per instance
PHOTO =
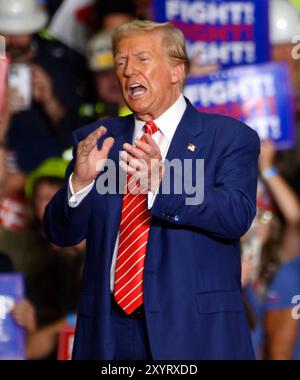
12,336
260,95
223,32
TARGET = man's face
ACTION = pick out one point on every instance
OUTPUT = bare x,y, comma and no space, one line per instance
149,81
18,46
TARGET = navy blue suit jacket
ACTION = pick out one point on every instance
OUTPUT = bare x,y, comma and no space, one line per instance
192,291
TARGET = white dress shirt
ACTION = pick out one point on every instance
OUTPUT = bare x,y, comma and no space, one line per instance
167,124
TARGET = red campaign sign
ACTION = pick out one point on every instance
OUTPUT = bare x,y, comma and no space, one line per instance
65,343
3,80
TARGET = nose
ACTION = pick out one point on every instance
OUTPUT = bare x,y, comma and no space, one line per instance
130,68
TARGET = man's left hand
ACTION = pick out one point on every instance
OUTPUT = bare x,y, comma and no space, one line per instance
143,162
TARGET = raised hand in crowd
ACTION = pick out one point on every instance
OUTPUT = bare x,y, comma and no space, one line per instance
284,197
42,93
25,315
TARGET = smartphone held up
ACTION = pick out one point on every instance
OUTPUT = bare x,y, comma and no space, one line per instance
19,83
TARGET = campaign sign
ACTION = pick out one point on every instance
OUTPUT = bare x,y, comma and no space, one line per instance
223,32
12,336
259,95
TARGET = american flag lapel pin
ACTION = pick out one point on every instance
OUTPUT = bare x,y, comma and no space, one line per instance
191,147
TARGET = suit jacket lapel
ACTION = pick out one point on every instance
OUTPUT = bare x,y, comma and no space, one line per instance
186,133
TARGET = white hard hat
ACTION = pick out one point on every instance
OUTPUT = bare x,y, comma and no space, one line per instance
284,21
99,52
21,17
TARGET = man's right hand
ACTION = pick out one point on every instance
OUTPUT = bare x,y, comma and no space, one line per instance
90,161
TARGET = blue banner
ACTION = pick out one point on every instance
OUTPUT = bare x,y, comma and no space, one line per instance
12,337
223,32
259,95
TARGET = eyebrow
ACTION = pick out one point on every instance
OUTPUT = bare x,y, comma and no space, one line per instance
120,55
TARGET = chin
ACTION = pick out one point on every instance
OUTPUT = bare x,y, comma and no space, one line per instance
138,104
137,110
134,108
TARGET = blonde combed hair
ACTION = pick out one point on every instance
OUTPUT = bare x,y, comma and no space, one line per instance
172,38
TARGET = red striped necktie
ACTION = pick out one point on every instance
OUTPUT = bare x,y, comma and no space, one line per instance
133,238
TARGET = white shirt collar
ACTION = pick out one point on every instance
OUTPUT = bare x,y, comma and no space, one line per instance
168,121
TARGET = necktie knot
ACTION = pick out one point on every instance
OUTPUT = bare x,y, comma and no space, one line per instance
150,127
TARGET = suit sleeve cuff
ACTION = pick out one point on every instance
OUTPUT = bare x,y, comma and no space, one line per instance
74,199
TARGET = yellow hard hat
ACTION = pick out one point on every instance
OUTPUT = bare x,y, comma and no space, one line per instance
54,167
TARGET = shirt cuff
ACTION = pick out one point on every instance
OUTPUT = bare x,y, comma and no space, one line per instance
74,199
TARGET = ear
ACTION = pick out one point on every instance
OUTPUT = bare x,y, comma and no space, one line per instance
177,73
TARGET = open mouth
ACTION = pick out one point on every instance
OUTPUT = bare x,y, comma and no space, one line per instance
136,90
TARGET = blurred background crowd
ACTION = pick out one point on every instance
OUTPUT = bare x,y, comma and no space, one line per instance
61,77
